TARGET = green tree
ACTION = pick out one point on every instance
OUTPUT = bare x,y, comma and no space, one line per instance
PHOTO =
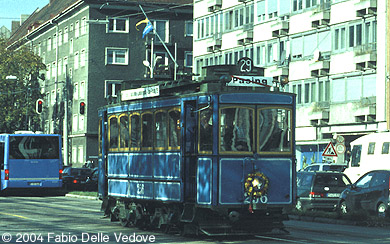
18,96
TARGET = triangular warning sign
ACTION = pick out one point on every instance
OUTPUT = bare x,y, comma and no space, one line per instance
329,151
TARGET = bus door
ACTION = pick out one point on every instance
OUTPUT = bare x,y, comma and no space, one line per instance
189,150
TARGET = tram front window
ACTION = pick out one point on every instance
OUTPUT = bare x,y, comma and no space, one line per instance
274,130
236,129
205,130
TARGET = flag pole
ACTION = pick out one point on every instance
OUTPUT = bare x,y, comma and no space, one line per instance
158,36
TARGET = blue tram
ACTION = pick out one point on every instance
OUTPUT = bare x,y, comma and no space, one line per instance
200,157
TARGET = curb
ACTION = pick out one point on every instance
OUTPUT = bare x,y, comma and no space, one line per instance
83,197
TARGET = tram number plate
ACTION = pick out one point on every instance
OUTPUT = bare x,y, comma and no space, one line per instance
34,184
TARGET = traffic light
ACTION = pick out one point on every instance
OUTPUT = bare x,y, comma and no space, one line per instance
82,107
39,106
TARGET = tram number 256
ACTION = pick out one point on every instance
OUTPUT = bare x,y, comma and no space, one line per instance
262,199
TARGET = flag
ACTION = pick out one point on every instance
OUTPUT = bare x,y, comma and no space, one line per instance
147,29
141,22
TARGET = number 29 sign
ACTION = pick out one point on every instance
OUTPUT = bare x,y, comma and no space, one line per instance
245,65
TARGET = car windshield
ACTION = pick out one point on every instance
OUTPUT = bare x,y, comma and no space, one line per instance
331,180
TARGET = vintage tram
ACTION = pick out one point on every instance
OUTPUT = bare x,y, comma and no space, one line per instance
201,157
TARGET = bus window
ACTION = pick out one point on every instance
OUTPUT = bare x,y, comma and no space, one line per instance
147,131
355,157
236,129
135,133
371,148
2,144
385,148
174,129
113,133
124,131
33,147
274,130
161,130
206,130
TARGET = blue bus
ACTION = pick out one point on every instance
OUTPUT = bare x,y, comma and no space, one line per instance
201,157
30,161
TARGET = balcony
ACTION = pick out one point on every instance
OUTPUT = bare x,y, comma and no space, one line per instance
365,57
366,8
365,113
278,73
320,68
214,45
320,19
320,117
245,37
214,5
280,28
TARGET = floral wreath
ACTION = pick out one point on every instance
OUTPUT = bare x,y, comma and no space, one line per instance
256,185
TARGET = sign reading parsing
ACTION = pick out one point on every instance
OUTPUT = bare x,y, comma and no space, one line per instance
250,81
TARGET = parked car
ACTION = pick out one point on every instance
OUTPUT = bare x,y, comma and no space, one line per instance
369,193
320,189
75,178
92,180
325,167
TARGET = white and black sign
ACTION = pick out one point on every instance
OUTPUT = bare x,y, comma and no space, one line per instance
250,81
245,65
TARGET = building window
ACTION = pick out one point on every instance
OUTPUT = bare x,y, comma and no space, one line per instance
297,5
71,46
54,41
65,64
82,58
117,56
82,90
162,29
53,69
83,26
48,67
189,29
77,29
74,123
113,88
49,44
76,60
65,34
188,59
59,38
118,25
59,66
81,155
76,91
81,122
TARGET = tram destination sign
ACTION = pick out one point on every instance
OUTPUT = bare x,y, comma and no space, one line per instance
250,81
138,93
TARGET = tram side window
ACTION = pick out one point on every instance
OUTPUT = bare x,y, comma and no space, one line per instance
124,132
206,130
147,130
113,133
100,137
174,129
236,129
274,130
161,130
1,155
135,132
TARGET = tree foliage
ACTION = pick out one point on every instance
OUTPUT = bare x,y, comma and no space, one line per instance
18,96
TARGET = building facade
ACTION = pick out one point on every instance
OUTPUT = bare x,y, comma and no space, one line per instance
91,48
330,53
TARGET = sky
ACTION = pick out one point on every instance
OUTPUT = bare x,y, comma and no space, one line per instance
12,9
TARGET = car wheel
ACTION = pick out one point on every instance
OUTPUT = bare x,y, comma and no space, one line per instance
343,208
381,210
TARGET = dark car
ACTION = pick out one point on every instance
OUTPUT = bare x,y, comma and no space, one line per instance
369,193
75,178
320,189
92,180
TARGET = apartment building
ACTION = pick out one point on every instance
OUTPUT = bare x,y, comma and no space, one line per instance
332,54
91,48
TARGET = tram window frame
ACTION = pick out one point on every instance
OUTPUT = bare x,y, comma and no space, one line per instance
252,128
160,135
289,129
137,138
150,134
110,137
174,126
205,129
125,133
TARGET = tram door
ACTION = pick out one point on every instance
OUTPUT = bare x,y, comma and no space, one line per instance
189,150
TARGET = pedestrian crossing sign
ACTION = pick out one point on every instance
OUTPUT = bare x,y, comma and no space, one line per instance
329,151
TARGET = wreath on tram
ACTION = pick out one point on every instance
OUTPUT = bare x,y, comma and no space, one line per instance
256,185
